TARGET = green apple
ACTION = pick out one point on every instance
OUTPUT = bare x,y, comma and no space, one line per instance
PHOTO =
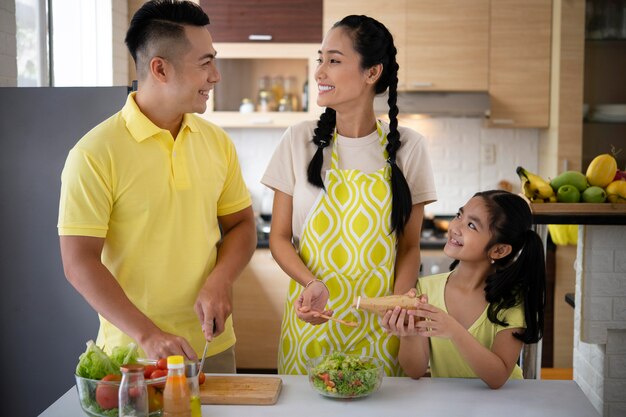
568,194
594,194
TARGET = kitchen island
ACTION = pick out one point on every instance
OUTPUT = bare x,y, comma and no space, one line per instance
428,397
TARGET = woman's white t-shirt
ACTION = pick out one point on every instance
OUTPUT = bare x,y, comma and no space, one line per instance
287,170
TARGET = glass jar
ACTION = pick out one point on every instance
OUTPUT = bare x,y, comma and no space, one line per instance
278,88
265,103
133,393
284,104
246,106
191,372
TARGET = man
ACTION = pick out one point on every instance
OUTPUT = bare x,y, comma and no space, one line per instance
155,220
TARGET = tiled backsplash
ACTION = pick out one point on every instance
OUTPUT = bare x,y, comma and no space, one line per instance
466,157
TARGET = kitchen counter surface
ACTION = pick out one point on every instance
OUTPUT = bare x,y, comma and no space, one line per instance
430,397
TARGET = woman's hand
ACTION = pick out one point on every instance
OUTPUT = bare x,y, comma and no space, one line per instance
436,322
312,301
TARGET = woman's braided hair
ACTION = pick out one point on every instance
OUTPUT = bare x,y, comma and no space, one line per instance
374,43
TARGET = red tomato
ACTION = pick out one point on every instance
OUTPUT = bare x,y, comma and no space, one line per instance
162,364
106,395
147,370
201,378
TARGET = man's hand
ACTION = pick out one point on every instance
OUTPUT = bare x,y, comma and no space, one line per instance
213,306
162,344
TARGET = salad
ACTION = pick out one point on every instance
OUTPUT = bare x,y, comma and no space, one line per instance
345,376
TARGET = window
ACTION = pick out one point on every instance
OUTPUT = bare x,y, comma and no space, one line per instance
31,20
64,42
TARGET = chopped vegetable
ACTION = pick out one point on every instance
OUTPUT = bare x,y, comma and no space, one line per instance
343,375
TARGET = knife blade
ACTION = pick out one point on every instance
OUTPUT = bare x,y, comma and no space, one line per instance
206,346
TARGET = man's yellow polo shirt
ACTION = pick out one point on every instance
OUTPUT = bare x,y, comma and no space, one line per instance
155,200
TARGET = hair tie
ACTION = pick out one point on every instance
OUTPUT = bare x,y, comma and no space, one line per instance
391,161
322,143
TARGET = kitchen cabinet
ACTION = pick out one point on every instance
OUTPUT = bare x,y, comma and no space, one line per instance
519,63
258,300
442,44
447,45
605,66
242,65
292,21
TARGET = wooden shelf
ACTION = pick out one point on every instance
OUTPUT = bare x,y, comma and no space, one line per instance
579,213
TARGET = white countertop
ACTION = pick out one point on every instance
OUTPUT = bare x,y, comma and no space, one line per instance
427,397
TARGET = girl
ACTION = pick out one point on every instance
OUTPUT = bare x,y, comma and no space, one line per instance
349,201
476,317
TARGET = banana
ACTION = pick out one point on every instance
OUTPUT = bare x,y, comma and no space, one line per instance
534,186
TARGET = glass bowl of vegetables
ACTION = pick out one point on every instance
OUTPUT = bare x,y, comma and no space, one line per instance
342,375
98,397
98,380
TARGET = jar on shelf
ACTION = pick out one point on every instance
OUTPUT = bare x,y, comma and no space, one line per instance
284,105
264,104
278,88
246,106
291,93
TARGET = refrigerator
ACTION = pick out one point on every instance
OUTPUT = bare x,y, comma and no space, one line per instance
45,323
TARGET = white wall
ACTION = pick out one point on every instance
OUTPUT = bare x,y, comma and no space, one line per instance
8,54
455,146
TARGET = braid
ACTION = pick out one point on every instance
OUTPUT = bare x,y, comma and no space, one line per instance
401,200
374,43
322,136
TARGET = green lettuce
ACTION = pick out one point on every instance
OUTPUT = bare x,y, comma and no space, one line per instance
124,354
94,363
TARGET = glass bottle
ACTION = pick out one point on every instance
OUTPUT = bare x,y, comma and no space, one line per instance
278,88
191,372
262,96
133,393
264,103
305,95
176,396
291,93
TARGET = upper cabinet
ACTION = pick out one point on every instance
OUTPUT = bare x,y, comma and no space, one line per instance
447,45
289,21
519,62
443,45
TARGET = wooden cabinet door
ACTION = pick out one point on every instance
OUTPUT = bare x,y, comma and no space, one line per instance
258,301
519,67
290,21
391,13
447,45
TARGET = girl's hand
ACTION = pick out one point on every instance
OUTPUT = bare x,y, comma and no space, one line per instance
399,321
436,322
312,301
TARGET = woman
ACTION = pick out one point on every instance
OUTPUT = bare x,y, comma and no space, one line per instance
357,231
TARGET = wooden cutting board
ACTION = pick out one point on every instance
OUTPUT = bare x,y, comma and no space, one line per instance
235,389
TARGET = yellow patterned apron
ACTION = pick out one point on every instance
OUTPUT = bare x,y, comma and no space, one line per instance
346,243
